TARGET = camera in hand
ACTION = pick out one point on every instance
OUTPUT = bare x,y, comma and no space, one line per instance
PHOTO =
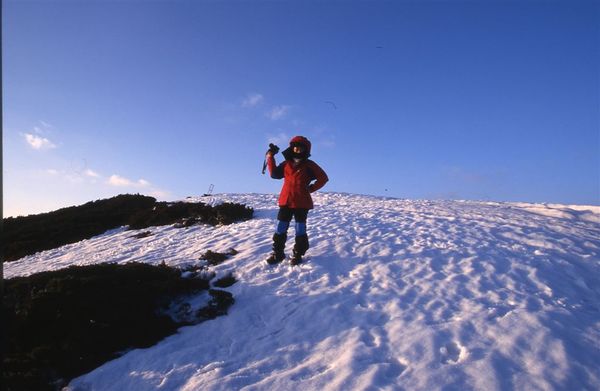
274,149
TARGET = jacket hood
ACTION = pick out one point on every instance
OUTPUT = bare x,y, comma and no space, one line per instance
288,154
301,140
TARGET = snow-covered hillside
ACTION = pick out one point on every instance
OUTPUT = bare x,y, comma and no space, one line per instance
397,294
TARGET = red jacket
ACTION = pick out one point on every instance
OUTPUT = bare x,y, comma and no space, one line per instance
297,181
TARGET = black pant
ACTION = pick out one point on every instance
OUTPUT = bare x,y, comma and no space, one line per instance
285,214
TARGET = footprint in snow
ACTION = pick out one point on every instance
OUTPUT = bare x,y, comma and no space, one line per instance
451,353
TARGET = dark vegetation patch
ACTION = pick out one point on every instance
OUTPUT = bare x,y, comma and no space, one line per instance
142,235
27,235
30,234
187,214
217,306
64,323
215,258
198,271
225,282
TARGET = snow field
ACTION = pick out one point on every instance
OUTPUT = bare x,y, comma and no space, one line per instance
397,294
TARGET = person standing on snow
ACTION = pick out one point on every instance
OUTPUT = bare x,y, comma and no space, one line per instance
297,172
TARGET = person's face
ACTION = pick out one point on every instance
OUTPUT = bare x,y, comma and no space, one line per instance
298,149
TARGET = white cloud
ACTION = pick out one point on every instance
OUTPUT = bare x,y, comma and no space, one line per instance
74,176
91,173
253,100
278,112
116,180
119,181
38,143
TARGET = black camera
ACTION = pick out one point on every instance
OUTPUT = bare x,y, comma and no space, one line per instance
274,149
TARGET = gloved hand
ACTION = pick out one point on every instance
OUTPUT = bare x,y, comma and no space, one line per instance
273,149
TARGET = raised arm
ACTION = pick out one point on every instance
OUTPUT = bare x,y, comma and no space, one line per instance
275,171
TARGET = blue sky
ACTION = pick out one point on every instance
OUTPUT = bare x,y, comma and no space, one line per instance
421,100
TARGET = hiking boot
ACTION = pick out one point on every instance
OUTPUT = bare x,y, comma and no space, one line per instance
278,245
300,248
275,258
296,258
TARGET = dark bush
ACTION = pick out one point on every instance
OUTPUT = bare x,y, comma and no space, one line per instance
30,234
65,323
214,258
227,213
186,214
217,306
142,235
165,213
225,282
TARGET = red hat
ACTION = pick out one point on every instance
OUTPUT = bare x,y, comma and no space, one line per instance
301,140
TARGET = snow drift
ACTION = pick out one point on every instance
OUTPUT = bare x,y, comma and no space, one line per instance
397,294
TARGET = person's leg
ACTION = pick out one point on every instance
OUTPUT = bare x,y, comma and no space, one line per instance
284,217
279,237
301,243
